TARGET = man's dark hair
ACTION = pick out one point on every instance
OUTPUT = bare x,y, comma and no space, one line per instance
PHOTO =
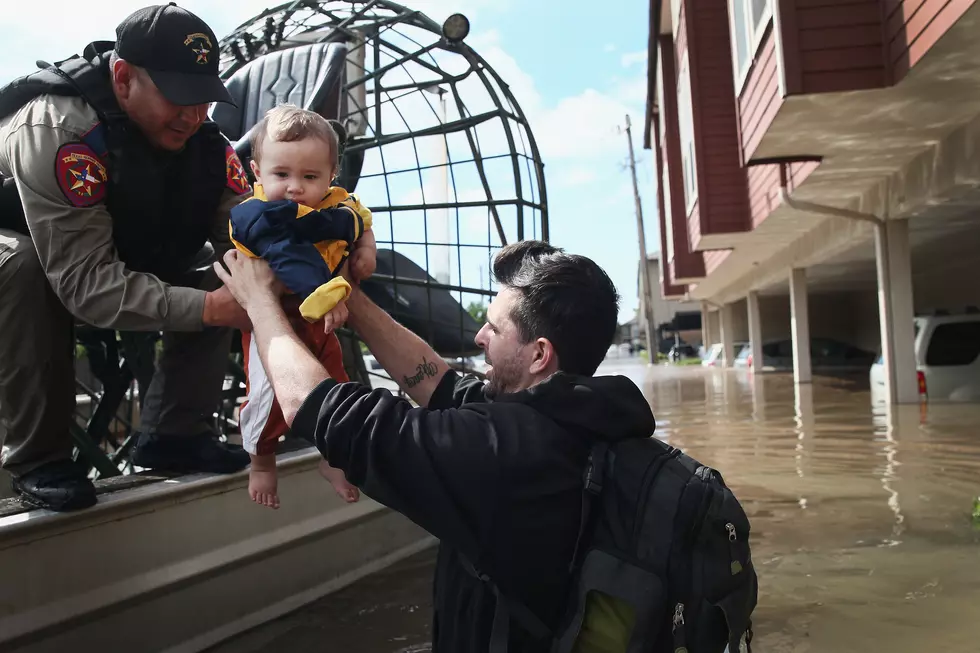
565,298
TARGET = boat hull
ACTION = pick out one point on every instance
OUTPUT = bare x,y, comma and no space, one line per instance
182,564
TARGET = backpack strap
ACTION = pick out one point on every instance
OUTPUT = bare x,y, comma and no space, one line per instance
505,609
593,478
595,475
90,77
468,551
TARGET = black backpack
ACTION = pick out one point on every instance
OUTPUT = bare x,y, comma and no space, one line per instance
662,557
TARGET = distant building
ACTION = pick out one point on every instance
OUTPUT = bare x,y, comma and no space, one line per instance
673,316
629,332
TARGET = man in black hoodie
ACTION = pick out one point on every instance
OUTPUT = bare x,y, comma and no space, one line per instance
497,466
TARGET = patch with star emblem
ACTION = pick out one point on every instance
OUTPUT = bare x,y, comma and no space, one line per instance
200,44
81,174
237,179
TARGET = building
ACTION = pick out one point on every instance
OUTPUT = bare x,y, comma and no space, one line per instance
818,168
673,315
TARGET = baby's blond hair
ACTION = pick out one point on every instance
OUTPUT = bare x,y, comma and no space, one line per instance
287,123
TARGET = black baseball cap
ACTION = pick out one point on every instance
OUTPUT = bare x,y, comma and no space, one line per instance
177,49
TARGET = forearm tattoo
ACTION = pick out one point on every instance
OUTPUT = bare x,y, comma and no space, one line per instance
423,371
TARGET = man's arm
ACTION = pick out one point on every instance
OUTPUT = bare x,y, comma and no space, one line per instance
409,360
440,468
74,243
292,369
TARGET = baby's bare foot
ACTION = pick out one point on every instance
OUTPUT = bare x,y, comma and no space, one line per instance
263,482
338,480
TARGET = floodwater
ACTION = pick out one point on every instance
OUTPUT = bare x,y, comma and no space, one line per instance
861,520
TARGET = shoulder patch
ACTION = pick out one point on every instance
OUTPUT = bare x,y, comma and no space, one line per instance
237,179
81,175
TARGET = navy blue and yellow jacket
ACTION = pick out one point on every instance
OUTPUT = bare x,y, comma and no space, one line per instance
305,246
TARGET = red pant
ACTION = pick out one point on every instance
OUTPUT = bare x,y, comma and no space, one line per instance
261,419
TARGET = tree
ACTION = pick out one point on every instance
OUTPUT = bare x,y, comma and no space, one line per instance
479,312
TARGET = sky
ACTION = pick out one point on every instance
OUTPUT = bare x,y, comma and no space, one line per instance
576,74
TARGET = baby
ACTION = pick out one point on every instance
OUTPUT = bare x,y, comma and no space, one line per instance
306,229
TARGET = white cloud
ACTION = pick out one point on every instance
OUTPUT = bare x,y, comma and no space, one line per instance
610,47
632,91
576,176
630,59
583,127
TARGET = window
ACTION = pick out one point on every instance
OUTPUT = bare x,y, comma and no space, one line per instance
685,119
664,180
954,343
749,20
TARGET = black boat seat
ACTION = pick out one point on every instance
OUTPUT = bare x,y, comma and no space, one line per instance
433,314
309,76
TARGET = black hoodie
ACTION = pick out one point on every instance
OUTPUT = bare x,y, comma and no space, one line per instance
506,473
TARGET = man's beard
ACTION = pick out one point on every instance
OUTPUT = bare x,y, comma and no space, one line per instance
503,379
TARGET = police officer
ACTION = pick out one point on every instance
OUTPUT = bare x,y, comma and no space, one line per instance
121,183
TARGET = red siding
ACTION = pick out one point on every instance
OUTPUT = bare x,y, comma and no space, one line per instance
835,45
668,287
722,200
764,188
914,26
760,98
685,263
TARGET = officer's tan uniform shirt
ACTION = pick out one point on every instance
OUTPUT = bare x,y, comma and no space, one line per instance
75,244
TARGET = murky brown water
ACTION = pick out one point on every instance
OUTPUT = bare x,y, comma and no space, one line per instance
862,534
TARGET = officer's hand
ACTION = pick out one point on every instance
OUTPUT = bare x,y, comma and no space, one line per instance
364,258
250,280
363,263
222,309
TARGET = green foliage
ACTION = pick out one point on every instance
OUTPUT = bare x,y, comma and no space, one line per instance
479,311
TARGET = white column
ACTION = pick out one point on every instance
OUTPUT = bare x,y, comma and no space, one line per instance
714,334
896,310
727,333
705,327
799,316
755,330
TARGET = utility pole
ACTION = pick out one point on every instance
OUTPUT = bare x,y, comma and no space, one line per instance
646,290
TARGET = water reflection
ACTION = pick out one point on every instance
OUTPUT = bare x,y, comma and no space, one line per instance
860,514
861,528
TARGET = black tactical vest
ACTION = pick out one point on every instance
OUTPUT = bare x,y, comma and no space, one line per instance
163,204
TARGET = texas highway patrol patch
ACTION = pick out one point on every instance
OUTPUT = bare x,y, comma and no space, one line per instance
81,174
237,179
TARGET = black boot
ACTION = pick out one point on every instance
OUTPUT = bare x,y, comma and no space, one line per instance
188,454
60,486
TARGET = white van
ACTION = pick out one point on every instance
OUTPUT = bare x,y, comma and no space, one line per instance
947,358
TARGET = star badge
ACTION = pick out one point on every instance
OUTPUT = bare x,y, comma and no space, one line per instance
80,174
200,45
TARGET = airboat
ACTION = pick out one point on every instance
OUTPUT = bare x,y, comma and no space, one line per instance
444,157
